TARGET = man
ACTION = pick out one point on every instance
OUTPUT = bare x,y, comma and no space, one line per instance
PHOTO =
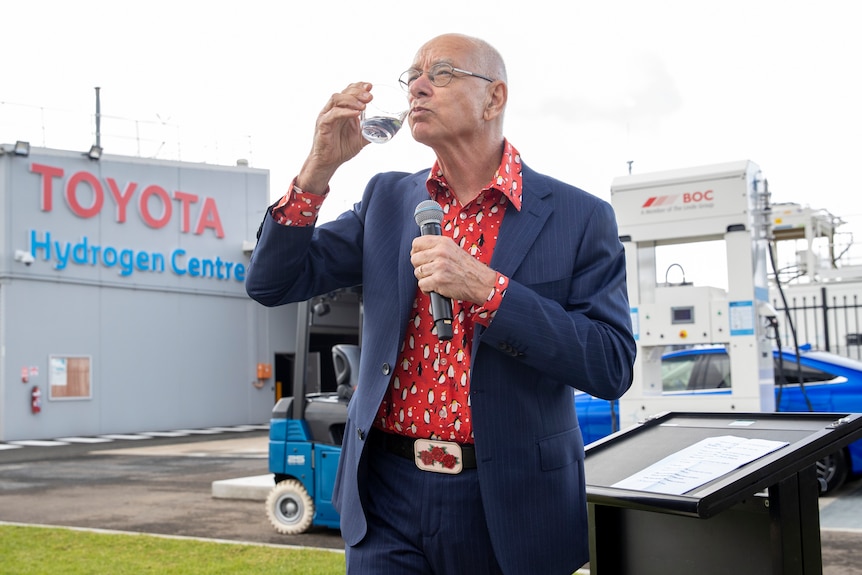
460,455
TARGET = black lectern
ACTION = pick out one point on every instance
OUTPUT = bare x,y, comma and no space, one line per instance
761,518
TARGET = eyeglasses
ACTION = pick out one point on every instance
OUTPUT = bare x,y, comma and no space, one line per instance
440,75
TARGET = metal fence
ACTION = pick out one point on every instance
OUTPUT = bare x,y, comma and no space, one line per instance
828,321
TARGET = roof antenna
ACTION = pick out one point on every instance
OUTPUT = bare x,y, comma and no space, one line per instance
99,121
96,150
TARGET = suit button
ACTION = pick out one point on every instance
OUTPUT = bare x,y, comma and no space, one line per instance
386,369
361,434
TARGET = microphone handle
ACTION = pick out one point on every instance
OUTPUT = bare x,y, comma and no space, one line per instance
441,311
441,307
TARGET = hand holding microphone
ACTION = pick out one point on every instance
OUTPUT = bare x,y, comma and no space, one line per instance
428,216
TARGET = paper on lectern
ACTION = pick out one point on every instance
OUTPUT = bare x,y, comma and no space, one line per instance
699,464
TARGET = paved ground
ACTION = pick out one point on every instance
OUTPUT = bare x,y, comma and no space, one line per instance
164,485
158,485
841,530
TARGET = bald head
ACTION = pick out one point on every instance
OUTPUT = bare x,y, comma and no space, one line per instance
483,57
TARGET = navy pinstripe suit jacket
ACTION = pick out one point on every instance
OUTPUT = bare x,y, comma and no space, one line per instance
564,323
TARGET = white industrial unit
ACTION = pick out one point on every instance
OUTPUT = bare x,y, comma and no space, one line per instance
688,206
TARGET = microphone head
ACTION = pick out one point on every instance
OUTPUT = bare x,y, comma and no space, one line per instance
428,211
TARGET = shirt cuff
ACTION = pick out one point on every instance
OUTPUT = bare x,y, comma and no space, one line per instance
298,208
485,313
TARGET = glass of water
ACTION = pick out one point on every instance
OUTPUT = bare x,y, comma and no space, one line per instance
385,113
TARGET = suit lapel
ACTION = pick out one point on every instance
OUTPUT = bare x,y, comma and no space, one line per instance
521,228
406,279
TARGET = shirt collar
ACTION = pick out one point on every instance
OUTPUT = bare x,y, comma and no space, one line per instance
507,180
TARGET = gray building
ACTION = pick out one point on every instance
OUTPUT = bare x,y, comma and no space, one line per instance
122,297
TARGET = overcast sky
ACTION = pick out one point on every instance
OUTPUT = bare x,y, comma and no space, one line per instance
593,85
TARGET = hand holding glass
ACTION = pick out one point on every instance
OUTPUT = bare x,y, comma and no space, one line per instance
384,115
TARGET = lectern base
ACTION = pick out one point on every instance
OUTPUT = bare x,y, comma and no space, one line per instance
777,534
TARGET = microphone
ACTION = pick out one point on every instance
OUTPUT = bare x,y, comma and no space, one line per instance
428,216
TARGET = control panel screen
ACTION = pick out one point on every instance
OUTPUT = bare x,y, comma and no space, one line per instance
682,314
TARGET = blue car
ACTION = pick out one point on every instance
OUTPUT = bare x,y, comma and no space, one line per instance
830,383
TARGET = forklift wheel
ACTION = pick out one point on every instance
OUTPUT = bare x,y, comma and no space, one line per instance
289,507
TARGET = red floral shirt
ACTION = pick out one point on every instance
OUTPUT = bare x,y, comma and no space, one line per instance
429,393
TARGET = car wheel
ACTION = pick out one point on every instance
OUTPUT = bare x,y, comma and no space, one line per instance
832,471
290,508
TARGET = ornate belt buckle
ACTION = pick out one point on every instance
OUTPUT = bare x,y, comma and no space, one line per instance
438,456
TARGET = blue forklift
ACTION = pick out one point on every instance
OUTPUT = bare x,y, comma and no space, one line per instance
305,438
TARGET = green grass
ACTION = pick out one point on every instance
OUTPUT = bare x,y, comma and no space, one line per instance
26,550
57,551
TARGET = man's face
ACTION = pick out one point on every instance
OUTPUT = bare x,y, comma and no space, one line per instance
445,113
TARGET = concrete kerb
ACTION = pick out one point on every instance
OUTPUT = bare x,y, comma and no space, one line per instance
254,488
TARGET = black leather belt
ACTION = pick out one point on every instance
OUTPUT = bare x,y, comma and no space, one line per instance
403,446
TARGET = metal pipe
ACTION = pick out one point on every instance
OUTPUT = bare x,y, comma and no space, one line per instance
300,361
98,119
